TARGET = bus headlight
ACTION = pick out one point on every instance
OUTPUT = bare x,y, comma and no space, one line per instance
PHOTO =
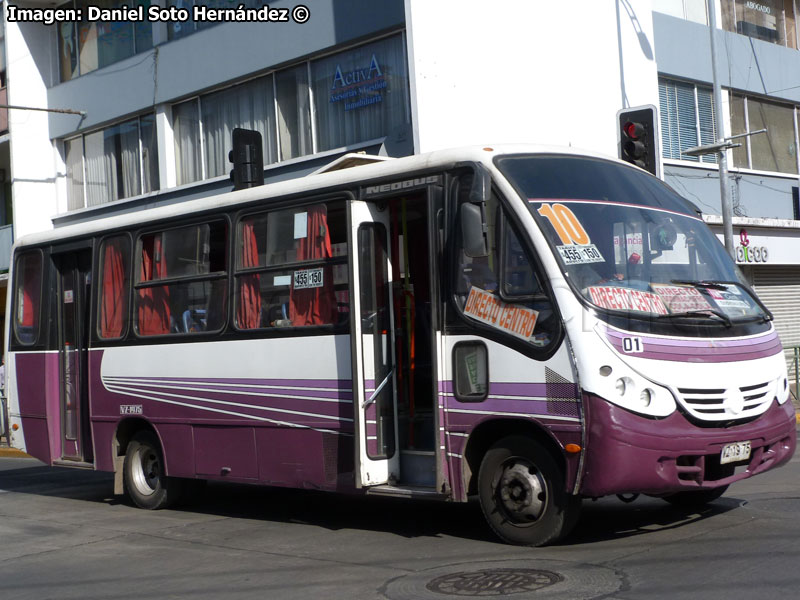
646,397
634,392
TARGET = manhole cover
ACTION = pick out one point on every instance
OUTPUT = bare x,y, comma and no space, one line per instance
493,582
514,579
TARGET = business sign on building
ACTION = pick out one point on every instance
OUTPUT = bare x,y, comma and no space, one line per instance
756,245
358,87
746,252
361,93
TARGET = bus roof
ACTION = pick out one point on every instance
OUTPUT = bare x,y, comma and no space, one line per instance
359,174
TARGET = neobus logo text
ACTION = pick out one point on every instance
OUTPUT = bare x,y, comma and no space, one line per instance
400,185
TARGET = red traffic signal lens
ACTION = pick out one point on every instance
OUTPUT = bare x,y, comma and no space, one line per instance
633,130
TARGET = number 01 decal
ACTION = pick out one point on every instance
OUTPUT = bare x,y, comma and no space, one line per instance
566,224
632,345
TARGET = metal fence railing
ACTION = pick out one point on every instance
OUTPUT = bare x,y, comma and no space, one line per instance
796,350
5,438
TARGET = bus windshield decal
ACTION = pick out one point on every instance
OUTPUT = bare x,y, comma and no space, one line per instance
613,203
681,298
580,255
622,298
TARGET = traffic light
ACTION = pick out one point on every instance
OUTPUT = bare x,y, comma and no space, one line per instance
247,157
638,138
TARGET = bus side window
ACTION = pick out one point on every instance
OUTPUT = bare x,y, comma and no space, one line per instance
291,268
27,295
114,287
518,276
507,279
181,280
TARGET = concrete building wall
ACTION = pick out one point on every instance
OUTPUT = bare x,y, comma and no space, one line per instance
527,71
683,51
224,53
29,58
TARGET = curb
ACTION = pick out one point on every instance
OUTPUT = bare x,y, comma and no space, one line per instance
13,453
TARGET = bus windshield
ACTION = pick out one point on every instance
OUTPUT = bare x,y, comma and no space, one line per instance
628,243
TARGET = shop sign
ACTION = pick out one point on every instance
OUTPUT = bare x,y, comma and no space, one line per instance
359,87
745,253
759,7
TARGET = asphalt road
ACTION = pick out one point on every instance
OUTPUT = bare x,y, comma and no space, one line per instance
64,535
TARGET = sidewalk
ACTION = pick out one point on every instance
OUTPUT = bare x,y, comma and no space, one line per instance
6,452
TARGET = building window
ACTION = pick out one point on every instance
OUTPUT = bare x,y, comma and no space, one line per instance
112,163
88,45
360,94
357,95
180,29
691,10
294,112
774,150
203,128
768,20
687,119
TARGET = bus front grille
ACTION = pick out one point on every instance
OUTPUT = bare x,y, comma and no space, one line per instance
723,404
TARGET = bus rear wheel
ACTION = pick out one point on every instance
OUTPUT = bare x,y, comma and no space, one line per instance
146,484
522,495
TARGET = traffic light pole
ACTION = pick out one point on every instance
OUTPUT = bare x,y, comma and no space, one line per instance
722,154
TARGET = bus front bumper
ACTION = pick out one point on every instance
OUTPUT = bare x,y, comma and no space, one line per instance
628,453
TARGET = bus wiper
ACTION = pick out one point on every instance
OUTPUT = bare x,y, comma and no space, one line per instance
705,312
709,285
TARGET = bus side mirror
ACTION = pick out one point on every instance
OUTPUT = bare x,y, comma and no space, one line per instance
473,215
481,187
473,230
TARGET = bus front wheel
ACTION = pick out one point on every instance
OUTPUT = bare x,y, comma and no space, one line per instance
522,495
143,473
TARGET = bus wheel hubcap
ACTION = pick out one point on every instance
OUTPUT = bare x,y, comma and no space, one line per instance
148,471
522,492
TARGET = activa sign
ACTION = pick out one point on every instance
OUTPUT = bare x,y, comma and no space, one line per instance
359,87
358,75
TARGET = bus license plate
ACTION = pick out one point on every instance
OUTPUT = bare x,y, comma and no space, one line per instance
735,452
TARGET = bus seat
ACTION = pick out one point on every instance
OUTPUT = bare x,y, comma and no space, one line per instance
194,320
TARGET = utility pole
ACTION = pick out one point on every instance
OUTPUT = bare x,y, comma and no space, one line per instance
722,154
722,144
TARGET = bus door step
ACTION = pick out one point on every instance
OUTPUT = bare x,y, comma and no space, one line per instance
405,491
75,464
418,468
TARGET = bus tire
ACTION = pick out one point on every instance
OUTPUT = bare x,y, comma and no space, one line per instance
522,493
143,474
695,499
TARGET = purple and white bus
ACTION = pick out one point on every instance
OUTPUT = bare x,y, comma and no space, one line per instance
531,326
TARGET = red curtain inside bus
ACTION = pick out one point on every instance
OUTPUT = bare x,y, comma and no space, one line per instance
114,304
248,312
154,311
315,305
31,290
